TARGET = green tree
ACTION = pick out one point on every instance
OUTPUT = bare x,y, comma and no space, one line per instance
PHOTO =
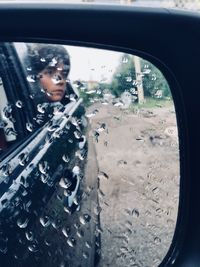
124,78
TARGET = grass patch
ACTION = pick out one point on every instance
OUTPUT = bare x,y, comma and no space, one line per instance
153,103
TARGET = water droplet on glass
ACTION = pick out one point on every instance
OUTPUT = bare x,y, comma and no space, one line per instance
66,231
43,167
65,183
153,77
65,158
29,126
10,131
80,233
47,242
135,213
19,104
22,222
125,60
53,62
45,221
31,78
88,244
76,170
80,154
23,159
3,245
29,236
33,247
90,115
128,79
97,210
42,59
103,175
85,218
85,255
42,107
71,242
7,111
157,240
29,68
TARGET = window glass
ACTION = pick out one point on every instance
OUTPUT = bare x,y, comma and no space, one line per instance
96,183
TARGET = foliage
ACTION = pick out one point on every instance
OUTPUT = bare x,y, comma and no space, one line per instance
91,96
124,78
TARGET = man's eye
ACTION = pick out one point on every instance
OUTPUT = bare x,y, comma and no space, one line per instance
64,74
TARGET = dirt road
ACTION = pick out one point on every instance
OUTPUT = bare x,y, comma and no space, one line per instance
138,160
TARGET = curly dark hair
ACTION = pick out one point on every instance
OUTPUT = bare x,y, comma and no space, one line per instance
41,56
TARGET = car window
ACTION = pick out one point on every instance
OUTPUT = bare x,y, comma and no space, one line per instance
96,181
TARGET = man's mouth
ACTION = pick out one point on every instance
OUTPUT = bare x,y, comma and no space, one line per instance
55,92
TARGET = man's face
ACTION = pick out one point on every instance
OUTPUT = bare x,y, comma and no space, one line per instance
53,81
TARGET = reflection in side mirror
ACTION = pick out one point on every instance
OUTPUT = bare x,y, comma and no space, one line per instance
89,170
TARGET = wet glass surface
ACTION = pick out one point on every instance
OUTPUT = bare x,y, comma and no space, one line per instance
89,171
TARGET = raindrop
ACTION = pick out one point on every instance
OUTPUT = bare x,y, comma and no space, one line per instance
125,60
53,62
85,255
19,104
45,221
103,175
71,242
23,159
118,104
31,78
42,59
44,178
56,79
43,167
7,111
80,233
77,134
33,247
47,242
85,218
153,77
6,170
155,190
135,213
170,222
101,128
67,210
89,92
80,154
128,79
29,69
97,210
42,107
52,126
88,244
29,236
3,245
10,131
29,126
22,222
157,240
90,115
76,170
66,231
65,183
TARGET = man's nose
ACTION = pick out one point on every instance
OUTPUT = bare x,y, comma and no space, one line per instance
59,78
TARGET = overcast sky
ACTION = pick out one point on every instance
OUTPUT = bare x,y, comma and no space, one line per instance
92,64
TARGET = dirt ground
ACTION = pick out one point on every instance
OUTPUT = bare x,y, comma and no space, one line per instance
138,159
